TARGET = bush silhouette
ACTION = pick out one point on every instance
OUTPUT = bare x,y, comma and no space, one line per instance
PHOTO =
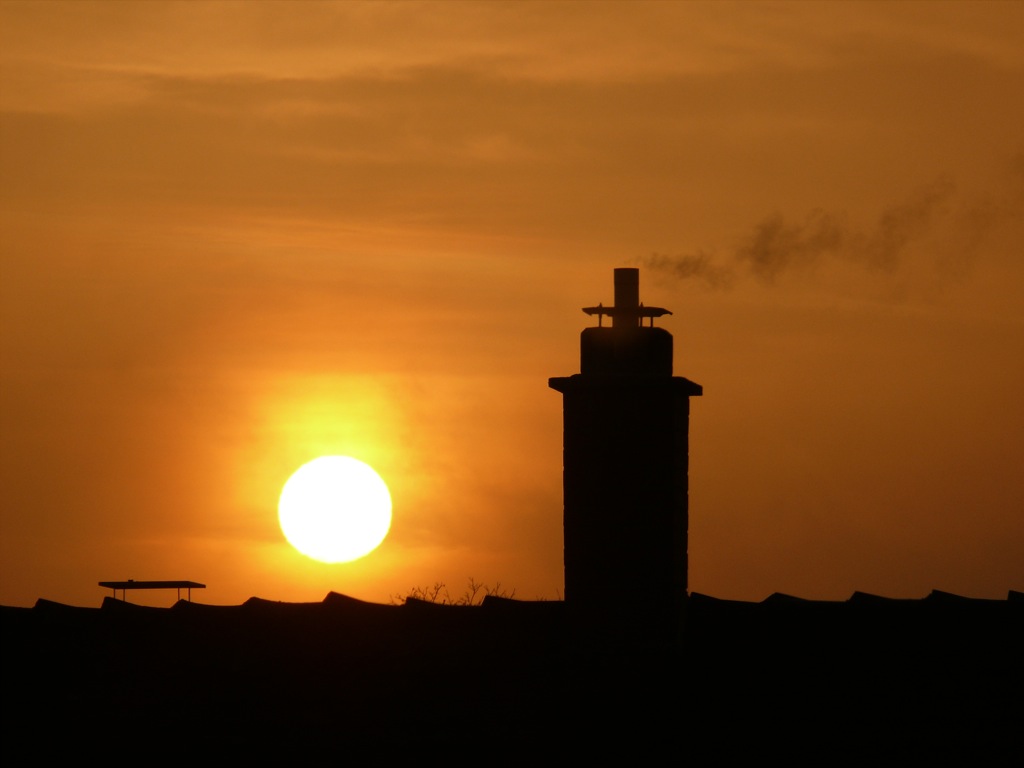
439,595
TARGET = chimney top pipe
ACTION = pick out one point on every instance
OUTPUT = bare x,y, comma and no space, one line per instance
627,312
627,295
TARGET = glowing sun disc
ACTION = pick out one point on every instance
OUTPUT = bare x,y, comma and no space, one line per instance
335,509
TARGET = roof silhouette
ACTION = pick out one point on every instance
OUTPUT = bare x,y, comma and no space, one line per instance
931,681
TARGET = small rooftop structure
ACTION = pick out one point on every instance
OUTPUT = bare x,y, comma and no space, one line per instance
124,586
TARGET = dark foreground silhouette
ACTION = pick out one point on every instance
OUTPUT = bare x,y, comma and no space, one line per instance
870,680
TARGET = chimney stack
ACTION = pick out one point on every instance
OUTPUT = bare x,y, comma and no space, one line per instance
625,467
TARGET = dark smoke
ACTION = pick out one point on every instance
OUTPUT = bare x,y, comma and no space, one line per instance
777,246
698,265
900,225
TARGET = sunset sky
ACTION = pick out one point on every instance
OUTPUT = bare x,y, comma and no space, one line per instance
237,236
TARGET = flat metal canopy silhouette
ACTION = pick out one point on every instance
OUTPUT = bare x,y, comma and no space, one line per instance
124,586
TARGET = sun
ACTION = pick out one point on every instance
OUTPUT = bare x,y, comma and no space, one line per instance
335,509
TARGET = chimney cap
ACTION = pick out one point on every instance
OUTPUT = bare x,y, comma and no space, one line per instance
627,310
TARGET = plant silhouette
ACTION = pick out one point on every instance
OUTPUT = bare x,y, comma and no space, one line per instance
438,594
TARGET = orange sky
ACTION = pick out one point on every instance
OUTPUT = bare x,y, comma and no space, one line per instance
237,236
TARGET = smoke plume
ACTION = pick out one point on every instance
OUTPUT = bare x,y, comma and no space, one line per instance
932,225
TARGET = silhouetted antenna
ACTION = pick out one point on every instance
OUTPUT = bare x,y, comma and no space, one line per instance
628,311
